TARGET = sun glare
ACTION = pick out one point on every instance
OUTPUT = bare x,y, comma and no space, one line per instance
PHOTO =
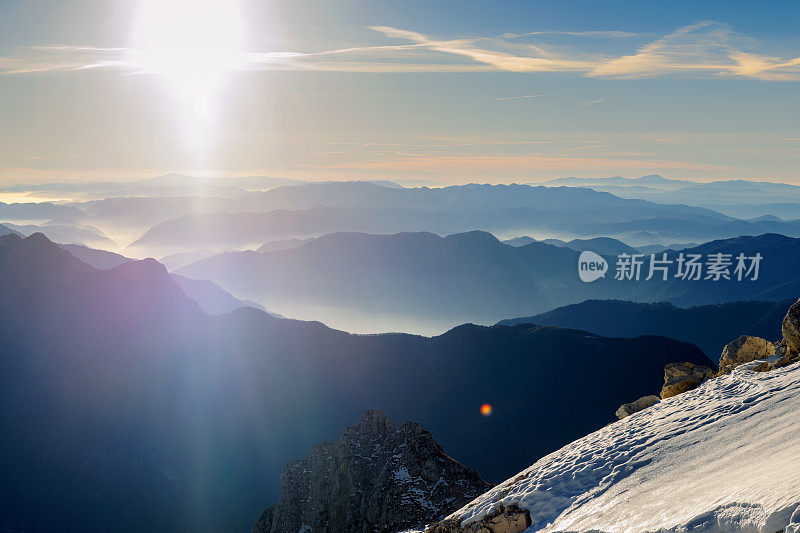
193,45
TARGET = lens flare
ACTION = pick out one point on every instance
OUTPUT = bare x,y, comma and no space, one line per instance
486,409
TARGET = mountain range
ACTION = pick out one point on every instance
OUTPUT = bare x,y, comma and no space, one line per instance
132,409
421,282
315,209
175,214
741,198
600,245
211,298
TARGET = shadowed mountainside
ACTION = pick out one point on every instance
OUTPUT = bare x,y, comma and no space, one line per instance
709,326
137,411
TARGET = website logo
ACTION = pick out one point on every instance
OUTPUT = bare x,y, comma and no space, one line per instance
591,266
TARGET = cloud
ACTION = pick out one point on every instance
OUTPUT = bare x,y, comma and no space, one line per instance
701,49
520,97
63,58
597,33
593,102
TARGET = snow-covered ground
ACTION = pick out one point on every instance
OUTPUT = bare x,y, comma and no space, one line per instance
722,458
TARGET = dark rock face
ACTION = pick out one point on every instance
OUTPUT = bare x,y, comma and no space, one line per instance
682,377
377,477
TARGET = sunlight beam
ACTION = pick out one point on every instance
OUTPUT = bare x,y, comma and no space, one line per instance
193,45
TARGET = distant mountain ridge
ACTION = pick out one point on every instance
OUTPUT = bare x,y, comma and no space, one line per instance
601,245
210,296
740,198
316,209
404,274
39,211
709,327
424,282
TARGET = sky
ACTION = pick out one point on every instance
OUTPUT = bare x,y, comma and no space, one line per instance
414,91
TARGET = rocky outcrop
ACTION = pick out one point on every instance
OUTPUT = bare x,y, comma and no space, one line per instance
784,355
787,350
509,519
790,328
377,478
744,350
682,377
627,409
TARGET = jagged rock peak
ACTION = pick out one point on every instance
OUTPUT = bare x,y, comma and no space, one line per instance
373,423
378,478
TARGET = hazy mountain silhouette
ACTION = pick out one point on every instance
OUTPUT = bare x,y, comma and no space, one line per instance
711,194
285,244
150,210
101,259
317,209
5,230
427,283
783,210
710,327
660,248
439,282
652,180
520,241
600,245
39,211
61,231
131,409
177,260
778,274
210,296
160,186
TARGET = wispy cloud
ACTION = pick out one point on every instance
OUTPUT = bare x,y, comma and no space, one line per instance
520,97
707,49
595,33
596,101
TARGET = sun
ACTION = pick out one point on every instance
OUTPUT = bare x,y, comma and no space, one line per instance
193,45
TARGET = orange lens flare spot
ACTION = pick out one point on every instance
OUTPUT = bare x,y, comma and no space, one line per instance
486,409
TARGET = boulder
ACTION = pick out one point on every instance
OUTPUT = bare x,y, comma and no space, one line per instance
744,350
509,519
379,477
791,327
627,409
682,377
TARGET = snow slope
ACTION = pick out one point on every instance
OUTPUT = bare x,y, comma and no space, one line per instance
723,457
